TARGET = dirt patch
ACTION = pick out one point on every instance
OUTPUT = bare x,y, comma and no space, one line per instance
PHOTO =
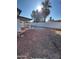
40,43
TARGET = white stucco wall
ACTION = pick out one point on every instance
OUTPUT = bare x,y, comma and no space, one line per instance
53,25
56,25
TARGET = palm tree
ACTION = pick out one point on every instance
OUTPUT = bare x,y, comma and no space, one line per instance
45,12
46,8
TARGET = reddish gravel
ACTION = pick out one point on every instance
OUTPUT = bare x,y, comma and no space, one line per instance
39,43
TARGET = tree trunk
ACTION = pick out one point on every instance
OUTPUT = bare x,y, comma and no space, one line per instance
44,19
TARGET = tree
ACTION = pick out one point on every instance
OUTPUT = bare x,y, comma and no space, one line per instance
33,15
46,8
37,16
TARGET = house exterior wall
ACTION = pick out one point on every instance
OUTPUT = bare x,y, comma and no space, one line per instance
21,23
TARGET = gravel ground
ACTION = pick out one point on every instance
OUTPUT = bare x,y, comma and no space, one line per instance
40,43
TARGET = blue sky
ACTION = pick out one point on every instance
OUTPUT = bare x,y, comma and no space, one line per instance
28,5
